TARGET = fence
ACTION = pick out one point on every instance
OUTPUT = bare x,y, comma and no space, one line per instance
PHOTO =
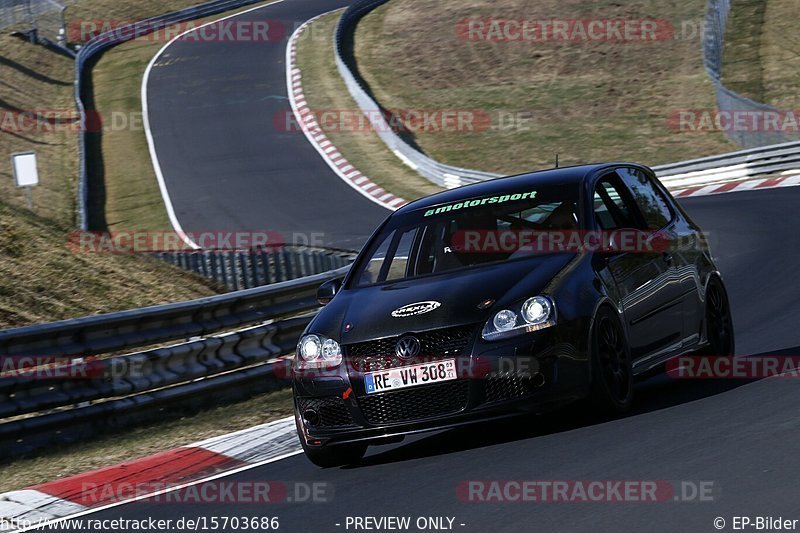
41,18
240,270
72,394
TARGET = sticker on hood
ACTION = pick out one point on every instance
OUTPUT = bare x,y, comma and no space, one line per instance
419,308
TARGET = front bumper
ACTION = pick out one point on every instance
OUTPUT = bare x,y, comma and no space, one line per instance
529,373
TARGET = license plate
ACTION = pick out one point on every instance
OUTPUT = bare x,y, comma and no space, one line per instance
410,376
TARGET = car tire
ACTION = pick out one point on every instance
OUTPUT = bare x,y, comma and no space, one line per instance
718,321
612,372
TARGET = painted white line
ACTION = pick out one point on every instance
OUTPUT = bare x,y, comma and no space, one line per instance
162,185
290,86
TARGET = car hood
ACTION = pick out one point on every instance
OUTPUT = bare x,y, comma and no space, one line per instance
369,310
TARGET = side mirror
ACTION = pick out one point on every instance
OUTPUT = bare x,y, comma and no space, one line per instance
328,290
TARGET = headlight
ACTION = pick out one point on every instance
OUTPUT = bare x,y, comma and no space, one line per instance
504,320
316,351
532,315
536,310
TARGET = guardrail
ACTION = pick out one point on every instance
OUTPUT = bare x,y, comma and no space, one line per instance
443,175
764,161
54,388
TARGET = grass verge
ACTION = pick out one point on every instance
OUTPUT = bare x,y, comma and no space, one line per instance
326,91
133,199
146,440
584,100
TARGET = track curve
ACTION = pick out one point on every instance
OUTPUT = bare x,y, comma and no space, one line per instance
739,435
212,109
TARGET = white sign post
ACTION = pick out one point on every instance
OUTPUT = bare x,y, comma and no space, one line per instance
26,173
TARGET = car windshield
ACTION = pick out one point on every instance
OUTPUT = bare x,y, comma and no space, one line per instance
465,233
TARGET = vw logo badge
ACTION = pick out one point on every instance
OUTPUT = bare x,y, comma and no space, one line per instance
408,347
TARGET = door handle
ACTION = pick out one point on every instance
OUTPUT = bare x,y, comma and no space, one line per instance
667,257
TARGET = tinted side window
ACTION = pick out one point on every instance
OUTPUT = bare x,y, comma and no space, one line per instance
651,202
611,210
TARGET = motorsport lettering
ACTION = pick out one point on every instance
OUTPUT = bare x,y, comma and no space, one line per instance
481,201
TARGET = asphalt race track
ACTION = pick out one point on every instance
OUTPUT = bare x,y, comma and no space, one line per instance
741,436
213,109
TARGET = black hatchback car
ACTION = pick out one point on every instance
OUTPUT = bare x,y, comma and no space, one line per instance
514,295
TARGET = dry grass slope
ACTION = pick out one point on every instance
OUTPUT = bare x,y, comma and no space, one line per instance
587,101
42,280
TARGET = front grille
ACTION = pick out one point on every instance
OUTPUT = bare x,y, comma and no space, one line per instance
331,410
417,403
502,387
436,344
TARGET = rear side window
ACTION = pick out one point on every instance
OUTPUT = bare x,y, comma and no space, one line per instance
651,202
612,209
